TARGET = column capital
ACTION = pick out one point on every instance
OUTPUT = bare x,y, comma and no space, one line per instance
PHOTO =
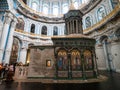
7,20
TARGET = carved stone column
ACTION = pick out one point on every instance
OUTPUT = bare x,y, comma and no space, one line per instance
115,55
6,25
10,41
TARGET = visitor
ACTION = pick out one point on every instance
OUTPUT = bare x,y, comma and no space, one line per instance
6,69
10,73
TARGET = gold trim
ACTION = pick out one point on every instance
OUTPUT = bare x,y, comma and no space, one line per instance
110,15
36,12
105,19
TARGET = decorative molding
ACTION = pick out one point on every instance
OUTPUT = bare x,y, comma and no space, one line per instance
115,11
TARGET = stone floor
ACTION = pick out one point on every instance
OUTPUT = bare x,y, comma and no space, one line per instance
112,83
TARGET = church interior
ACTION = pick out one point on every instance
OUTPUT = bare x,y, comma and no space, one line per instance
60,41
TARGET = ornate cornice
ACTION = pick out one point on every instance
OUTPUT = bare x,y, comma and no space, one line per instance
38,16
106,19
88,7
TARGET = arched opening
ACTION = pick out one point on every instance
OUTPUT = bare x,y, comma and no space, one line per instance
107,53
32,28
28,53
34,6
88,22
65,8
55,30
101,13
15,51
44,30
45,8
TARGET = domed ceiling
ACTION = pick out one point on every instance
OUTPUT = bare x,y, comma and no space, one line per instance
54,7
53,10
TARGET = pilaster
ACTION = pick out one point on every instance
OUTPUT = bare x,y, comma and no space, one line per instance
6,27
23,54
10,41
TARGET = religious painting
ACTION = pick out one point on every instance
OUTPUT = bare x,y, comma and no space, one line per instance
75,60
48,63
62,62
88,60
15,50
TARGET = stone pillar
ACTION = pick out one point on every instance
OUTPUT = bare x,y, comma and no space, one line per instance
23,54
10,41
100,57
72,26
67,27
50,8
115,48
4,35
77,26
106,55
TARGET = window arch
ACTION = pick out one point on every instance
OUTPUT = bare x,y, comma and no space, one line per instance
88,22
75,2
65,8
55,30
34,5
32,28
101,13
45,8
15,50
55,9
44,30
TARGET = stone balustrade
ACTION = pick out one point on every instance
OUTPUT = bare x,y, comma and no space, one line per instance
21,72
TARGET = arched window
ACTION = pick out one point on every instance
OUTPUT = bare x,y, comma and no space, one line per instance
34,6
65,8
65,31
20,24
75,3
44,30
32,28
101,13
15,50
45,9
88,22
55,30
55,10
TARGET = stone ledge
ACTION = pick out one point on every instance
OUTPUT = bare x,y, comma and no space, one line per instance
100,78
